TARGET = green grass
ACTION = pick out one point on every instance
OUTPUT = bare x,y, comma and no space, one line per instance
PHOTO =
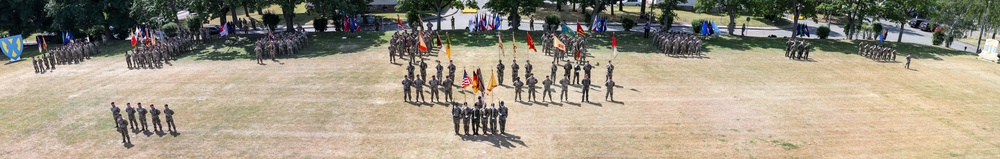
838,46
683,17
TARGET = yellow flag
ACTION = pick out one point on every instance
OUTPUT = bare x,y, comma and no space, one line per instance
493,82
558,44
514,42
500,43
448,46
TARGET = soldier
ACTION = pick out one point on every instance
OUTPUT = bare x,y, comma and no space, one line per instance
531,87
568,67
423,70
493,118
517,89
123,129
128,60
406,88
155,113
446,89
586,89
503,117
513,70
409,70
611,90
576,73
475,113
34,64
806,49
131,115
466,117
451,70
142,116
545,89
908,57
587,68
527,68
434,89
611,69
169,115
500,71
418,83
485,120
565,89
115,112
788,46
455,112
439,69
260,57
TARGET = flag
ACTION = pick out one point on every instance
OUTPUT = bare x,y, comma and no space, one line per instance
153,39
885,33
134,38
400,22
704,28
421,22
465,79
493,82
479,81
614,44
531,43
513,41
67,37
500,43
357,26
579,29
558,44
715,28
496,20
222,31
475,82
438,36
345,23
12,47
567,30
38,40
593,23
448,46
420,43
44,44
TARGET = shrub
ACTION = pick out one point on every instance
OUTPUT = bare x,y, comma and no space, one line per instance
170,29
194,23
628,23
823,32
552,22
877,28
271,20
413,19
938,38
320,24
696,26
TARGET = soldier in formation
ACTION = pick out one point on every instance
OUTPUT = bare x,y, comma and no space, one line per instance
503,117
546,88
279,44
406,44
610,93
500,68
456,112
798,50
155,113
155,55
678,44
142,116
169,116
532,82
877,52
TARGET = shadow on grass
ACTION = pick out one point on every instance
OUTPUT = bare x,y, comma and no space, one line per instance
506,140
320,44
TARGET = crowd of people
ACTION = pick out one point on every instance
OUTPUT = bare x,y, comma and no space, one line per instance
678,44
576,47
279,44
154,55
405,44
72,53
876,52
122,124
797,49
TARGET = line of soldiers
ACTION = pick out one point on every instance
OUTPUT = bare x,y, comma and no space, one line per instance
678,44
279,44
405,43
72,53
877,52
121,124
798,50
153,56
483,119
574,45
438,83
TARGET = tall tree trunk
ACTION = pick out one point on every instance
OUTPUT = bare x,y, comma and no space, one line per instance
642,9
795,18
850,21
222,16
732,21
574,6
901,31
613,8
620,4
559,4
246,10
439,19
289,11
982,31
994,32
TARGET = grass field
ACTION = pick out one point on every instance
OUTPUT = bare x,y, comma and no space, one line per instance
341,99
683,17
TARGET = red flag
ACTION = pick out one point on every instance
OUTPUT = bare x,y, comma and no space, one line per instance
134,39
44,44
614,44
346,25
400,22
465,79
420,43
577,54
438,36
531,43
579,29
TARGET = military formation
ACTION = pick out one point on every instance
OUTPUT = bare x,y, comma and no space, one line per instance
678,44
877,52
405,43
279,44
439,83
122,123
483,120
72,53
797,49
575,45
155,55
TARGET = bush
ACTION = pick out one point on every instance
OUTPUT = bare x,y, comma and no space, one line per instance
696,26
170,29
628,23
823,32
194,23
320,24
413,19
938,38
877,28
271,20
552,22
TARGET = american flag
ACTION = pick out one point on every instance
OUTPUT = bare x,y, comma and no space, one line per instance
466,81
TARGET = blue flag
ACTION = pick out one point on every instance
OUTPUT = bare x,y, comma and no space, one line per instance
567,30
67,37
12,47
715,28
704,28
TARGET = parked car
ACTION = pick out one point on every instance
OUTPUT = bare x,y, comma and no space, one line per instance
213,29
928,27
633,2
914,23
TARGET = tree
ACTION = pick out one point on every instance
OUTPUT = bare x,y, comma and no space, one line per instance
440,6
23,16
514,9
74,16
288,10
667,10
210,9
335,10
732,8
898,11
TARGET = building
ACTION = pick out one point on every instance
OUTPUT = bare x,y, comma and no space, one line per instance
378,6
